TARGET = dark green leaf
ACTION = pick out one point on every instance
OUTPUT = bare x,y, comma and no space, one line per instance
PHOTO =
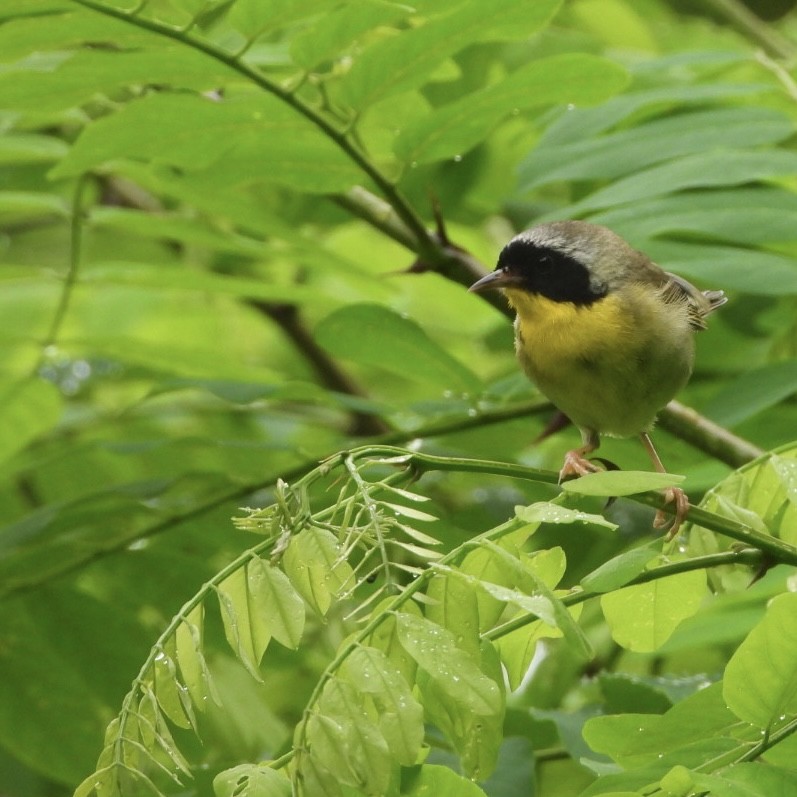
375,335
457,127
405,61
629,151
713,169
259,137
28,409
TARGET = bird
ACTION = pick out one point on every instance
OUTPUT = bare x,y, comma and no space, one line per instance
605,334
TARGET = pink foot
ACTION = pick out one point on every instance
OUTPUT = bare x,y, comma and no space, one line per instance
662,519
576,464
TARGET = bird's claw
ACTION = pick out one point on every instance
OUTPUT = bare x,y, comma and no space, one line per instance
576,464
677,496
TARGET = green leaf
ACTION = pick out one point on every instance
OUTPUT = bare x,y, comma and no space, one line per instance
760,683
751,216
30,147
405,61
746,780
246,623
274,596
634,740
517,648
629,151
29,409
454,605
189,647
643,617
257,17
400,715
548,512
621,569
753,392
432,779
62,31
42,666
346,742
257,136
759,273
374,335
762,494
476,738
457,127
314,566
251,780
614,483
172,695
713,169
455,671
319,43
78,76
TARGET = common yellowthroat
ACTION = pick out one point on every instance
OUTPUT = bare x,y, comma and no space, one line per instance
602,331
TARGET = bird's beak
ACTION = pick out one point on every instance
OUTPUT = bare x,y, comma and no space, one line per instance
500,278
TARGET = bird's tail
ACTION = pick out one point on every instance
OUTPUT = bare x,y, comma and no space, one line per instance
715,299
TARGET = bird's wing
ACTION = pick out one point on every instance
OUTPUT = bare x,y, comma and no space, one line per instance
676,289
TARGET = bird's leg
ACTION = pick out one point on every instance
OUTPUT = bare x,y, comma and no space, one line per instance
576,462
671,494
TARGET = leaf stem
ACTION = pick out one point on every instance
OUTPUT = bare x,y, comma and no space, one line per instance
748,556
778,549
740,17
75,249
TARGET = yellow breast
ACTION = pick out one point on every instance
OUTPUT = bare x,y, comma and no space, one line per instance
609,365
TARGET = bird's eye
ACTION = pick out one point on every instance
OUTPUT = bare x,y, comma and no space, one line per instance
544,262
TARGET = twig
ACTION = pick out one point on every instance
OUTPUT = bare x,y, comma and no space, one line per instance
713,439
740,17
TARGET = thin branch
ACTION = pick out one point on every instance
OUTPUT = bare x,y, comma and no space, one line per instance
707,436
779,550
76,244
752,27
424,242
749,556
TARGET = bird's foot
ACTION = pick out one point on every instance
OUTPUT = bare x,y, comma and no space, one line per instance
576,464
677,496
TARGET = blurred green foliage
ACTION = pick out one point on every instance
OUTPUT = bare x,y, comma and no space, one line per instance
216,270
